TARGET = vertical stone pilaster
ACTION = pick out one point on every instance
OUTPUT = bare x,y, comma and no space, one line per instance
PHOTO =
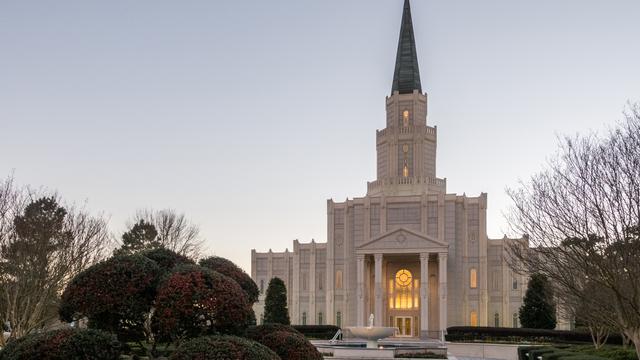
442,272
424,295
331,268
312,316
295,310
360,290
378,320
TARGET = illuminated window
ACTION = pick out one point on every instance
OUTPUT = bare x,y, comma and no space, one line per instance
339,279
473,278
405,118
496,320
515,320
404,291
338,319
320,318
405,167
474,318
304,318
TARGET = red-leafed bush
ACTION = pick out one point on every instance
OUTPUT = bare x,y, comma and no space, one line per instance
284,341
226,267
64,345
115,295
194,301
166,258
222,347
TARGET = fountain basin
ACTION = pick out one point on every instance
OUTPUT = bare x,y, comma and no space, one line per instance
372,334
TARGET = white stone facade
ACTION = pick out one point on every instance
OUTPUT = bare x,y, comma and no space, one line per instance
407,252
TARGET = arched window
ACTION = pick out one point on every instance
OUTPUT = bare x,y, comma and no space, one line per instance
304,318
496,320
405,118
515,320
514,283
339,279
339,319
404,291
320,319
405,156
474,318
261,286
473,278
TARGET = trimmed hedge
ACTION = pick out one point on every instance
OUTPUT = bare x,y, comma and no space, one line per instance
228,268
317,332
65,344
472,333
285,341
223,347
166,259
194,301
571,352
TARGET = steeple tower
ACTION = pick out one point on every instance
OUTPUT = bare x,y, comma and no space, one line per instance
406,76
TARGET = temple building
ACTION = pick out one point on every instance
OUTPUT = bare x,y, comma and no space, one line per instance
410,253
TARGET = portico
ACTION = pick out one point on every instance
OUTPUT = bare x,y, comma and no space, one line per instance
401,279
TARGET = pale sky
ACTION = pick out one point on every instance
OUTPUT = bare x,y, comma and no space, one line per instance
249,115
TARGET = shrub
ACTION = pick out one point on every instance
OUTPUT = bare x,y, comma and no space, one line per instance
285,341
227,267
116,295
473,333
223,347
275,303
538,310
65,344
317,332
166,259
193,301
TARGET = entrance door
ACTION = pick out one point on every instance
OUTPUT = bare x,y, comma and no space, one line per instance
404,325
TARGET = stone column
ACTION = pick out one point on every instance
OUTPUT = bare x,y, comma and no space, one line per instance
378,290
442,271
360,290
424,295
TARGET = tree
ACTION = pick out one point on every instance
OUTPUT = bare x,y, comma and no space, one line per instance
538,310
116,295
194,301
582,215
141,236
275,303
42,246
174,231
228,268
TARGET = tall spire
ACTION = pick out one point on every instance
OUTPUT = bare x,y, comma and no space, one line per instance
406,76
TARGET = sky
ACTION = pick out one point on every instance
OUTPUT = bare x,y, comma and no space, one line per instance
248,115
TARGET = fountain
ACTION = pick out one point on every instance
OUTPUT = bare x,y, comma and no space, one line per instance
372,333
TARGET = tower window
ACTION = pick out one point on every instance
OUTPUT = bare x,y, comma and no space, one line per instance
405,118
473,278
320,319
304,318
514,283
339,279
405,157
496,320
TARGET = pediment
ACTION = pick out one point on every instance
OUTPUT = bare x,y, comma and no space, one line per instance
402,239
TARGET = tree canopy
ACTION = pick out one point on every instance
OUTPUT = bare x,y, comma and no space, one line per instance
275,303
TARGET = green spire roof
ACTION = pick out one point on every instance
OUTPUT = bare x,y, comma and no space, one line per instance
406,76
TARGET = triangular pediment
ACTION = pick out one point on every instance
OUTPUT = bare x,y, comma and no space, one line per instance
400,239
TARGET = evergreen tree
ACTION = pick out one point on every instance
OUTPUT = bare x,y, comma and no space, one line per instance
275,303
142,236
538,310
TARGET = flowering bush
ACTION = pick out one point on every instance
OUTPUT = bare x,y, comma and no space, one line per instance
228,268
194,301
64,345
115,295
284,341
223,347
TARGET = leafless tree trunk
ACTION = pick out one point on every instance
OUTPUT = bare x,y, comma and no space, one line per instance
29,292
175,232
582,216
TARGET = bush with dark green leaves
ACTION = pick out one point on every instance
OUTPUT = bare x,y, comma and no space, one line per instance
222,347
116,295
287,342
166,259
275,303
538,310
228,268
65,344
194,301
